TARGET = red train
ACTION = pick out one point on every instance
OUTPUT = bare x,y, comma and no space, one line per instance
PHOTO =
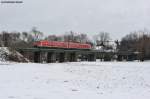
58,44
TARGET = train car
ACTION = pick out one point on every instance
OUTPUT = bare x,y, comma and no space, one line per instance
58,44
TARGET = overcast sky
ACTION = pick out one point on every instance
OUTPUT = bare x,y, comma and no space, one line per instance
119,17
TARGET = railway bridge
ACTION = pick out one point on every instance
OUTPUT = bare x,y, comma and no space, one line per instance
50,55
55,51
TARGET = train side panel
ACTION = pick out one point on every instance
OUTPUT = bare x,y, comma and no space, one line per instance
57,44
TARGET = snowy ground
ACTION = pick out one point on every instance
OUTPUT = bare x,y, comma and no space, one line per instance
85,80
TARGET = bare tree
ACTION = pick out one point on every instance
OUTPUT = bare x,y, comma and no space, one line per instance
6,38
36,34
1,40
102,39
24,36
76,37
138,41
83,38
54,38
69,36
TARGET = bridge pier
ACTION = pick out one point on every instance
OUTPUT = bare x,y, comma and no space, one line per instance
66,57
92,57
73,57
37,57
84,56
51,57
40,57
61,57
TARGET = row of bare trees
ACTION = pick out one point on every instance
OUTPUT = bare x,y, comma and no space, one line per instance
17,39
25,39
138,41
70,37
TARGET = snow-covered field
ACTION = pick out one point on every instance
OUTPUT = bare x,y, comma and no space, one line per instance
85,80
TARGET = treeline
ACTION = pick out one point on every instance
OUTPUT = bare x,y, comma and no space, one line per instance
15,39
138,41
26,39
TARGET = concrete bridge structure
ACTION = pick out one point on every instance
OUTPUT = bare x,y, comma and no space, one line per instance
52,55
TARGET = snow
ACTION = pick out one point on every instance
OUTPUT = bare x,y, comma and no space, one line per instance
3,52
81,80
7,54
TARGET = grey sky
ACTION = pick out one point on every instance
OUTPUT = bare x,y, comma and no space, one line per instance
119,17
